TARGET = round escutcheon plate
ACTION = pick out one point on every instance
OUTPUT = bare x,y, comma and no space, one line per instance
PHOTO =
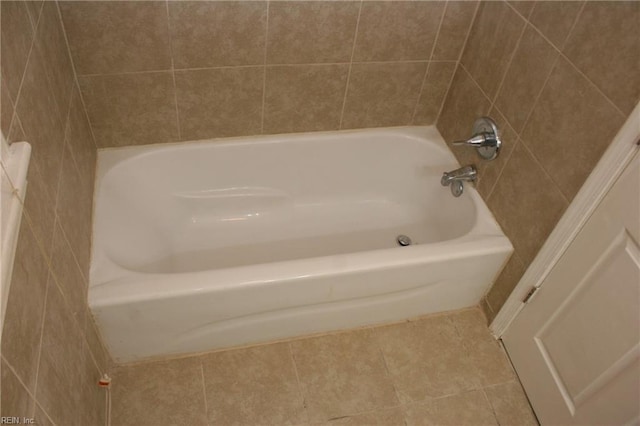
487,125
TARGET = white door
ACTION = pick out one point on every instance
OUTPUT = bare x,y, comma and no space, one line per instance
576,344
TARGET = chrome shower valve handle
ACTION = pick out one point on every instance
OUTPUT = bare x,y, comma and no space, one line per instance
486,138
482,139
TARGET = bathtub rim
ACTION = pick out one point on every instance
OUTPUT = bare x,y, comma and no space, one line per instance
111,157
139,287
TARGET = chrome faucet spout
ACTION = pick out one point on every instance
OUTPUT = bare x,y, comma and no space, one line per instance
456,178
466,173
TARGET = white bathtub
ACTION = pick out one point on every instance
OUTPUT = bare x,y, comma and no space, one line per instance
214,244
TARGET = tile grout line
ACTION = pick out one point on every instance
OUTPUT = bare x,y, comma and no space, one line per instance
86,279
420,92
26,66
86,114
515,380
44,252
17,376
468,36
59,181
487,97
13,111
463,343
44,314
301,64
493,341
495,385
34,20
48,416
56,222
10,181
59,177
526,18
424,81
566,58
458,61
65,116
29,221
300,389
541,165
116,74
457,331
204,392
398,405
173,72
36,404
396,392
84,339
519,139
88,317
540,33
573,26
75,76
426,71
595,86
439,30
67,126
488,401
353,51
264,67
537,99
401,405
495,183
553,65
89,323
444,99
51,274
559,49
508,66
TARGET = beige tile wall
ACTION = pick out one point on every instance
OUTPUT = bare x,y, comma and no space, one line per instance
560,78
51,353
155,72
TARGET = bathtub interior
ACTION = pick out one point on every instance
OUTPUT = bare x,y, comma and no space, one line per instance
223,204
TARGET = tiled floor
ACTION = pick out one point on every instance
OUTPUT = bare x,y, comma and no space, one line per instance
439,370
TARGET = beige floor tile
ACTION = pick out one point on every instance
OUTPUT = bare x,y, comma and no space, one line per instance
489,359
445,370
159,393
389,417
510,404
253,386
342,374
470,408
426,359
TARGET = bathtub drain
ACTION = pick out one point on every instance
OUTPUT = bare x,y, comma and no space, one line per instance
403,240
